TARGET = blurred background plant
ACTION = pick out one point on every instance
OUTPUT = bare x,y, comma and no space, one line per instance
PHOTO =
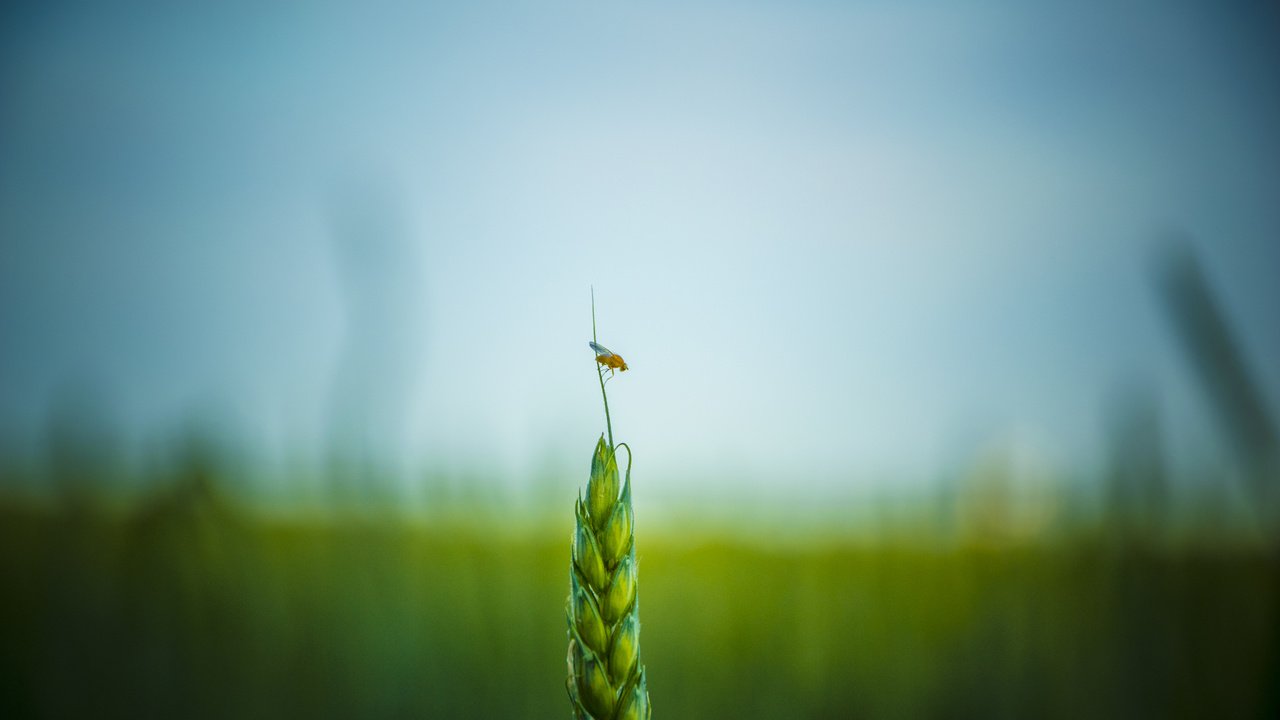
291,355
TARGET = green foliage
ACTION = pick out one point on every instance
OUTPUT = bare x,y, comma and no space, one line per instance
193,608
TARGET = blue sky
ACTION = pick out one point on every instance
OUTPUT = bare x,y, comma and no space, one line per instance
837,243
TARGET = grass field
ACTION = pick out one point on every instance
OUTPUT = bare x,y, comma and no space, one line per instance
192,607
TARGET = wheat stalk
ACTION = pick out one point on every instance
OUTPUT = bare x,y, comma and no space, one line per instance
606,678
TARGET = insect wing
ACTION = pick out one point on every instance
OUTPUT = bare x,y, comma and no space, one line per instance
600,350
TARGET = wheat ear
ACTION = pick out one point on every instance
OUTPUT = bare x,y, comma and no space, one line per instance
606,678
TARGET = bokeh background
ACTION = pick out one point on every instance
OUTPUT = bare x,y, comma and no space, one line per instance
954,361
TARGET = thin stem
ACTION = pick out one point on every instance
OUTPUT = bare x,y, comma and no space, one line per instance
599,371
607,423
615,453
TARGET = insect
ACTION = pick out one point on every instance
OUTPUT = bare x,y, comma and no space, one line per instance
607,358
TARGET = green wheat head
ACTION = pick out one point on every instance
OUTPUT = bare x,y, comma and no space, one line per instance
606,678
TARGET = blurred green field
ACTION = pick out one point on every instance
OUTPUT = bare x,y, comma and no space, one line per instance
192,607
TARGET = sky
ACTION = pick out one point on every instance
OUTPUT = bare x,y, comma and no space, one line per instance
840,245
